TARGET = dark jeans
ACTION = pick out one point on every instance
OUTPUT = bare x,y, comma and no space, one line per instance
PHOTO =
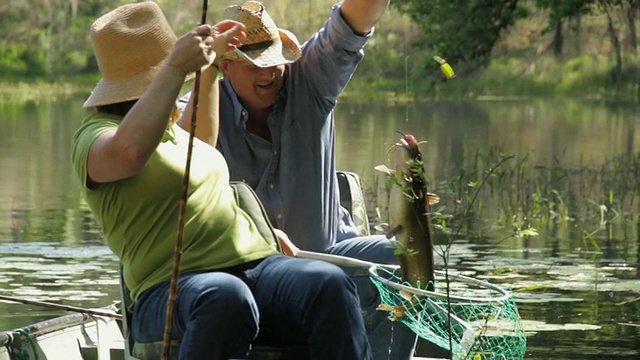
279,299
389,340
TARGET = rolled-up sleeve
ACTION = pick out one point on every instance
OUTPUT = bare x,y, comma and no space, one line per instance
329,59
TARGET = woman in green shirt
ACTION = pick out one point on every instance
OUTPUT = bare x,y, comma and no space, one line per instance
235,288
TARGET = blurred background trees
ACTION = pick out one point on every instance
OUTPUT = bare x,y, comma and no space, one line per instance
49,39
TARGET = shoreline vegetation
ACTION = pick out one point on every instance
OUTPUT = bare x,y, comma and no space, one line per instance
583,77
544,49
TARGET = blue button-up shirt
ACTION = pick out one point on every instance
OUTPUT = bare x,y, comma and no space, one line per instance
295,174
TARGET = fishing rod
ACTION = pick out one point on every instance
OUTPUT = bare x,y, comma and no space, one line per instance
94,312
177,254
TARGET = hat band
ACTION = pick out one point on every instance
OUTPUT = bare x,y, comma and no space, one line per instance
257,46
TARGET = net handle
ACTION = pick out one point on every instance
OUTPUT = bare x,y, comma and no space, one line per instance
504,294
352,262
341,260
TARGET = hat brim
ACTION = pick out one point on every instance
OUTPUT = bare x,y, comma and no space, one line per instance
116,91
279,53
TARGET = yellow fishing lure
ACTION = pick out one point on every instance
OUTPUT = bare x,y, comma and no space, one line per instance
446,69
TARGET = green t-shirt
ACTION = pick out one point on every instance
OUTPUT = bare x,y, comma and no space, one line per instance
139,215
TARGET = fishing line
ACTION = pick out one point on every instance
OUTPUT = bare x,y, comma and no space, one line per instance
406,80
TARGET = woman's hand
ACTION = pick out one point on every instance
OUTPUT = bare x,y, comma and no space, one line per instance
200,46
286,246
228,35
211,47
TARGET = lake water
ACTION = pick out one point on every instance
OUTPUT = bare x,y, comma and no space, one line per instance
578,295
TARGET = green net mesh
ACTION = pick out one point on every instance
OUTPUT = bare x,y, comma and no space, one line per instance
484,318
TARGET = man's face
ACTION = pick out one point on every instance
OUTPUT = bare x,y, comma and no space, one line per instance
257,88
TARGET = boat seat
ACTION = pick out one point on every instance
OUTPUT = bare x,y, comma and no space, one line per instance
352,199
248,201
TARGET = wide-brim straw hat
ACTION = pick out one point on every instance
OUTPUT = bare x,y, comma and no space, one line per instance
130,44
266,45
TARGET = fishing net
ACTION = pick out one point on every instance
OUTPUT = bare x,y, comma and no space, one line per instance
484,318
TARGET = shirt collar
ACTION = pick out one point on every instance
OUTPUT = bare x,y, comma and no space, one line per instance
238,109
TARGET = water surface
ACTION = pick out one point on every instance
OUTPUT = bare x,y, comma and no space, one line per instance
577,301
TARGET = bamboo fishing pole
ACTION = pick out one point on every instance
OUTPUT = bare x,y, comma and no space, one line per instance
95,312
177,254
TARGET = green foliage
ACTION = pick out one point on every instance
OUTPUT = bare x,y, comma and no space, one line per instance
52,43
559,11
461,31
468,201
48,39
519,232
590,199
11,63
34,57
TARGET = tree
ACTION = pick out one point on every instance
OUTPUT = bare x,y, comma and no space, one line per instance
559,13
462,31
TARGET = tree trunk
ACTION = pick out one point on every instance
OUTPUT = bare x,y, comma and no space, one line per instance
632,11
615,42
558,40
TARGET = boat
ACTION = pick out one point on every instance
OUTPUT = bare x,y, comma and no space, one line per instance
101,334
76,336
84,336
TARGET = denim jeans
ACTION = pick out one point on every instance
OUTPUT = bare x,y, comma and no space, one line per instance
389,340
278,300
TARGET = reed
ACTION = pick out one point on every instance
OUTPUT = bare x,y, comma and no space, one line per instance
591,201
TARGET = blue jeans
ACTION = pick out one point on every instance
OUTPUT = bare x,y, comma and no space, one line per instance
389,340
277,300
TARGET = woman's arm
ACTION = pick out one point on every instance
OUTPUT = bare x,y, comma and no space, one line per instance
122,153
207,119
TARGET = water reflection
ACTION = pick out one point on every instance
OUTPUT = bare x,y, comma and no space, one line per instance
547,133
52,250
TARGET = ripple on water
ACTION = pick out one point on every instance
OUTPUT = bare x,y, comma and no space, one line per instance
72,275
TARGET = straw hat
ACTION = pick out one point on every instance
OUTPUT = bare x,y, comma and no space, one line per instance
130,44
265,45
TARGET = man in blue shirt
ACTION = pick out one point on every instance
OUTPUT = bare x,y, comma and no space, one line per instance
277,133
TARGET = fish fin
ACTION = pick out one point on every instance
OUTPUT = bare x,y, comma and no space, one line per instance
393,231
383,168
405,294
382,227
395,312
433,198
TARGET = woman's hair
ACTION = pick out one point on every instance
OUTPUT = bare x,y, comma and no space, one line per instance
120,109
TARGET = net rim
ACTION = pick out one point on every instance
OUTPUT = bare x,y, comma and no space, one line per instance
505,295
